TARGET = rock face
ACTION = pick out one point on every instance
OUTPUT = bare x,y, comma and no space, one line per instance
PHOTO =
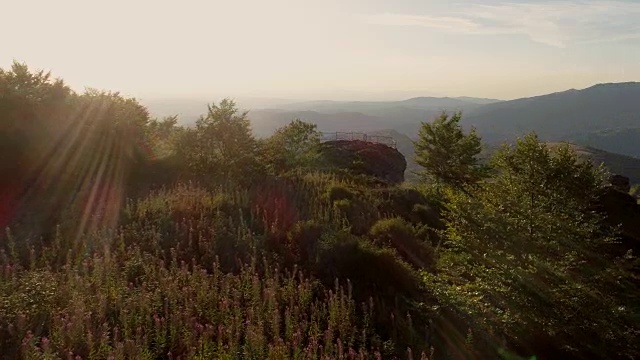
622,209
360,157
620,183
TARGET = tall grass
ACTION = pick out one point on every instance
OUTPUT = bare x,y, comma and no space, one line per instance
204,274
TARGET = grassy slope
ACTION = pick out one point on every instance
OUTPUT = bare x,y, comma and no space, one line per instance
615,163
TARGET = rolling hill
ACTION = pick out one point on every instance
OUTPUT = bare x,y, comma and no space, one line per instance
615,163
604,115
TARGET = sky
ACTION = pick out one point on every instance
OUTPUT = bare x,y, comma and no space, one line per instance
325,49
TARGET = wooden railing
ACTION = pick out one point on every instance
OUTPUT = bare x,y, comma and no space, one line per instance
359,136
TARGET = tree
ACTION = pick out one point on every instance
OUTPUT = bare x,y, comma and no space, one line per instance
528,258
293,146
32,107
162,135
33,110
221,147
67,152
447,154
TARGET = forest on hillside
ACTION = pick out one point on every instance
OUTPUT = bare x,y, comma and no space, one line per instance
129,237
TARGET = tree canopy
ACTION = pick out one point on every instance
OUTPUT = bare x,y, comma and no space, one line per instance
293,146
221,145
528,258
447,154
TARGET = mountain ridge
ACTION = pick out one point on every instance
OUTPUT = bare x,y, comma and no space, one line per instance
604,116
571,115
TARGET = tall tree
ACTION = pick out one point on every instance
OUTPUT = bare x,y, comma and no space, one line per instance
293,146
526,256
447,154
65,151
221,145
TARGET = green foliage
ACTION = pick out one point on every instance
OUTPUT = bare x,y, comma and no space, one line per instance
397,233
527,259
162,136
294,146
381,269
304,239
221,147
178,309
191,272
339,192
137,238
67,153
389,231
448,155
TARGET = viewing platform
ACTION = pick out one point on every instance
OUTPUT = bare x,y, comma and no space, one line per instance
359,136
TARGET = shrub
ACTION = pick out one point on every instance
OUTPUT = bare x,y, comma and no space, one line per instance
304,239
379,276
339,192
178,311
400,235
377,269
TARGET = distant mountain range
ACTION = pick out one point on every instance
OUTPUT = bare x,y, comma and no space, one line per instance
604,116
404,116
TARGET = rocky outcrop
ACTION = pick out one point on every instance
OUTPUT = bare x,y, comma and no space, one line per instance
622,210
620,183
361,157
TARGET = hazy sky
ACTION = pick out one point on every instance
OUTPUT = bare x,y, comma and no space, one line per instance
331,49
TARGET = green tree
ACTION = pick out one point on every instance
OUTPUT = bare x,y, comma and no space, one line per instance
221,147
293,146
447,154
527,258
33,107
162,136
66,152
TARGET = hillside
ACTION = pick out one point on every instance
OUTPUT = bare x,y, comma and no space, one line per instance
621,141
615,163
403,116
604,116
575,115
131,238
268,114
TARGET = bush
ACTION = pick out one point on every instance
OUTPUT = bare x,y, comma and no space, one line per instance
401,236
381,278
339,192
360,214
304,239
